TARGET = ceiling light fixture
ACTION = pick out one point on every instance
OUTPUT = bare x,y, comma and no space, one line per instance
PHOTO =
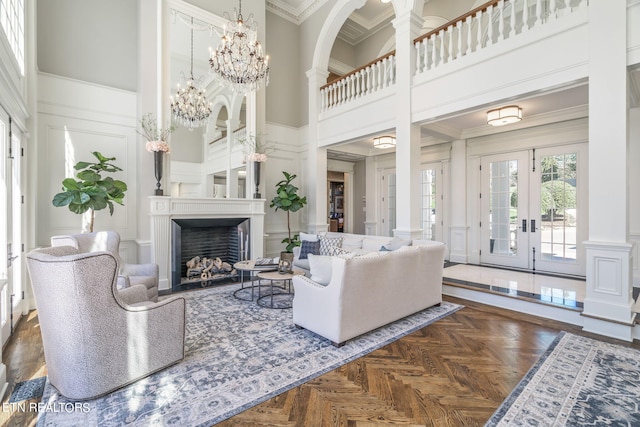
190,107
238,61
385,1
384,141
504,115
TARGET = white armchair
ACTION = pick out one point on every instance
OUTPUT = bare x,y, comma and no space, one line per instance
94,340
129,274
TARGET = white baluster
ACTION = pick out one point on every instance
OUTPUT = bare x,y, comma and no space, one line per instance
469,22
479,35
443,53
451,30
459,27
323,102
425,54
553,10
490,25
512,22
352,84
418,47
367,87
386,71
501,22
538,20
434,49
376,76
340,92
393,69
525,15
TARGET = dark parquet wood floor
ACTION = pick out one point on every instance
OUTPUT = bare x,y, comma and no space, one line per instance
455,372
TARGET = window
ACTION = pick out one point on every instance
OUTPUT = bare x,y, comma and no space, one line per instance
12,22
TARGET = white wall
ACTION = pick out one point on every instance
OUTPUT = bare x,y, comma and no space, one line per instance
76,118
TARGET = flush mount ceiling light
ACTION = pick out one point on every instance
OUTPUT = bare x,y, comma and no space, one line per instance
384,142
385,1
504,115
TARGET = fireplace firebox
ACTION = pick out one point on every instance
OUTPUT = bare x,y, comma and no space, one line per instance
224,240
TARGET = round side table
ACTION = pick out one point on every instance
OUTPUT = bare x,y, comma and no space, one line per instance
274,276
249,267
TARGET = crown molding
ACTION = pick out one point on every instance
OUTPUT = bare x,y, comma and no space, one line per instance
291,13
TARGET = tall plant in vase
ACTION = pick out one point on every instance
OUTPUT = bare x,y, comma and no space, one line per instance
288,200
157,144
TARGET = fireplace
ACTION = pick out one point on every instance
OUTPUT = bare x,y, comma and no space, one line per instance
196,240
166,210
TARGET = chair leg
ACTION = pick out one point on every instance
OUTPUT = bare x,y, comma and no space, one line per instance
337,345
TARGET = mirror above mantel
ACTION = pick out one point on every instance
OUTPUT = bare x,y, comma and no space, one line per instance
201,154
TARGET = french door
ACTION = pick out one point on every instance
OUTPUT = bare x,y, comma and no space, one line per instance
533,209
11,264
388,205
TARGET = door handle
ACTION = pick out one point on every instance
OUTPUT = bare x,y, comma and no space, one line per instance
524,225
533,225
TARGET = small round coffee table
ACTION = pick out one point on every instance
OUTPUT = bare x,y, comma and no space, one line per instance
249,267
275,276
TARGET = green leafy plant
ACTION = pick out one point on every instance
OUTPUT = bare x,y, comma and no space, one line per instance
288,200
91,192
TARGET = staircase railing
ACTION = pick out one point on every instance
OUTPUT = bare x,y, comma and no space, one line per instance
488,24
372,77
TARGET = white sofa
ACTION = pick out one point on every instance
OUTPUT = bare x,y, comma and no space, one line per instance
369,291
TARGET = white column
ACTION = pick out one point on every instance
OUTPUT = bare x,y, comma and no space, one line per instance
153,68
232,175
407,134
608,306
317,158
457,196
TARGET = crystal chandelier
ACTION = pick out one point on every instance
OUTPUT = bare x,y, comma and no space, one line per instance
190,107
238,61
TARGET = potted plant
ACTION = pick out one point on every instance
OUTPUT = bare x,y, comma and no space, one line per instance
157,144
92,192
288,200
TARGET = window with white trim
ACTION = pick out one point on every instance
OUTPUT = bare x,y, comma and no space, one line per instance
12,22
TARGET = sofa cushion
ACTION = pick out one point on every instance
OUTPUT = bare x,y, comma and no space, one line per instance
308,237
320,268
352,242
396,243
329,245
307,247
372,244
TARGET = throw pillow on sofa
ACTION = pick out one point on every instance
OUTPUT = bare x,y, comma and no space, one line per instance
307,247
396,244
308,237
329,245
320,268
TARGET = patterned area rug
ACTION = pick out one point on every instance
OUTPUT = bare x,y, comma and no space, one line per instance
29,389
577,382
237,355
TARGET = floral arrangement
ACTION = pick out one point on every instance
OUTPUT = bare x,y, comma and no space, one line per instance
156,137
152,146
255,149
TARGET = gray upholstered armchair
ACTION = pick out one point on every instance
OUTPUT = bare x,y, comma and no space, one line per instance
129,274
94,341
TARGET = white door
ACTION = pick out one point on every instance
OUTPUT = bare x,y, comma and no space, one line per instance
388,203
6,247
431,197
17,244
533,209
504,207
559,208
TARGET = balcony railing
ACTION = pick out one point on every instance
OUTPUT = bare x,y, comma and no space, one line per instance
370,78
488,24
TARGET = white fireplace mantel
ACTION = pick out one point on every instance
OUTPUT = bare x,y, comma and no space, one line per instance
165,208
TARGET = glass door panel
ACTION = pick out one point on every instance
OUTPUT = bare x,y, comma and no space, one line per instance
559,208
429,203
504,214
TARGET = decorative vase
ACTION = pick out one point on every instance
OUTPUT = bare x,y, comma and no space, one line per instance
256,179
158,162
286,263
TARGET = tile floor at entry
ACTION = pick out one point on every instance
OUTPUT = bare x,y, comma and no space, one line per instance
565,292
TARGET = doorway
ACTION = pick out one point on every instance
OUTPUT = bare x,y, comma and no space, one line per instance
534,209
